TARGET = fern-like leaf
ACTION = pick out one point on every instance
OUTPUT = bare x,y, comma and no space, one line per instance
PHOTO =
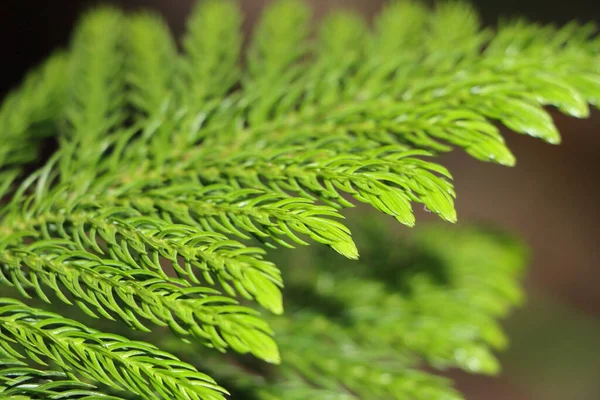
177,172
109,359
18,381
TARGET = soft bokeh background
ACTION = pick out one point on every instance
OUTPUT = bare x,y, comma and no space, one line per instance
551,199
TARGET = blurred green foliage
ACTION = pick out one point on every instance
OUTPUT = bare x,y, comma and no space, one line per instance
175,173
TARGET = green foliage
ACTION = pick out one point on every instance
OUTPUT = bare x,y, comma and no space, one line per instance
29,114
177,171
109,359
18,381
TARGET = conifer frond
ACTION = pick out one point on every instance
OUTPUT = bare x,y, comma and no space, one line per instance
150,63
340,46
110,359
19,381
476,282
115,288
279,42
264,214
96,98
389,178
31,112
212,52
325,358
176,172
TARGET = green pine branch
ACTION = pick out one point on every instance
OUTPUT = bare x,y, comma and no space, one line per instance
29,114
18,381
112,360
179,173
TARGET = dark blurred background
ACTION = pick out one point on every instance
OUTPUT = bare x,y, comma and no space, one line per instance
551,199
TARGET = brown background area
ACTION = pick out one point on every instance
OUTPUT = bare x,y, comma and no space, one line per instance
551,199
